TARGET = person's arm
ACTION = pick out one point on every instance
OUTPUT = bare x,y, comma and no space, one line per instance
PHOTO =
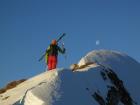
47,50
61,50
45,54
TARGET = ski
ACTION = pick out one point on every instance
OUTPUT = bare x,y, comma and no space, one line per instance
64,34
42,57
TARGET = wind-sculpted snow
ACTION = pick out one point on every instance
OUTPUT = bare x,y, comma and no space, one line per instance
44,92
126,67
116,93
101,78
64,89
18,93
108,58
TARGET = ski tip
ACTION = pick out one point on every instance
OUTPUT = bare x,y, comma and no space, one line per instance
64,33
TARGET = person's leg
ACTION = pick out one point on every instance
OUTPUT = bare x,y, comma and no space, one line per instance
49,62
54,62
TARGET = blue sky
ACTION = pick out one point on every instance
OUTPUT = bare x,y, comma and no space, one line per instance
28,26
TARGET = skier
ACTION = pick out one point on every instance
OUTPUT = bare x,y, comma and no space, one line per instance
52,53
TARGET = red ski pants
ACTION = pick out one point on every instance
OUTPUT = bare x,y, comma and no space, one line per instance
52,62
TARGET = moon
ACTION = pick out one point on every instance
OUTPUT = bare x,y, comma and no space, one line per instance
97,42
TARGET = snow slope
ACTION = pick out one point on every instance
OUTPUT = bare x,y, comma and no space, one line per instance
64,87
126,67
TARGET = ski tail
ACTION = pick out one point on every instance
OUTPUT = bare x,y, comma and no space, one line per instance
41,57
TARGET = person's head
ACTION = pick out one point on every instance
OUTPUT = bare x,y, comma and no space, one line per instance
54,42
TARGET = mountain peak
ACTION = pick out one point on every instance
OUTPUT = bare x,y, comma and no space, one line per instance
100,76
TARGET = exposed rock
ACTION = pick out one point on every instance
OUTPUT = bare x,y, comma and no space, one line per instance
5,98
99,98
74,67
116,92
11,85
113,96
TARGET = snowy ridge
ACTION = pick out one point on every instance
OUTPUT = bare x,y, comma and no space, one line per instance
95,84
106,57
17,93
46,87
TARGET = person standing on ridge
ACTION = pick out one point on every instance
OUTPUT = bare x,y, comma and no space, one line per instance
52,53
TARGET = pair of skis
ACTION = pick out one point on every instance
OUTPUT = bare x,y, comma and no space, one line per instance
64,34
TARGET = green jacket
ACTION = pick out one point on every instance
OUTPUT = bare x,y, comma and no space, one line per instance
53,50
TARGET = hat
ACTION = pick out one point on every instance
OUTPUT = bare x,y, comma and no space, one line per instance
54,42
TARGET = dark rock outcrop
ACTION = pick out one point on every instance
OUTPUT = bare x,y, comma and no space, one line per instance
11,85
116,91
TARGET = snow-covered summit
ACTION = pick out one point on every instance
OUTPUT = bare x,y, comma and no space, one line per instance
107,57
116,60
112,74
